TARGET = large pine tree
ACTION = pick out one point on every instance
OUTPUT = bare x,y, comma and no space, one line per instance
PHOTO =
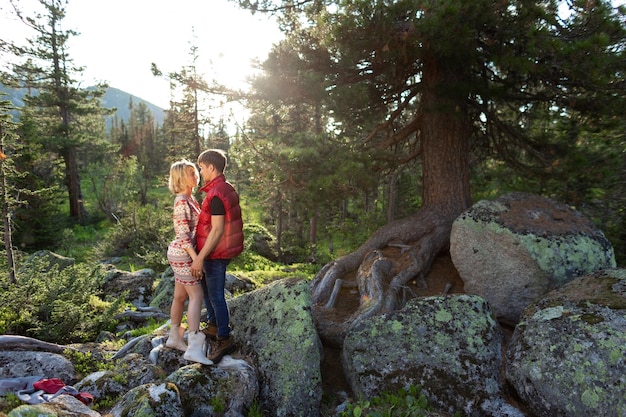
455,78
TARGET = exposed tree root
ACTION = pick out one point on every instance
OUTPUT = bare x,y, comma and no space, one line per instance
398,253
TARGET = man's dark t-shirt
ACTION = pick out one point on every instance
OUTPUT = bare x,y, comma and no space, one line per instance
217,207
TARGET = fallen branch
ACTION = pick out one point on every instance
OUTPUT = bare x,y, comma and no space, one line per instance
141,316
11,342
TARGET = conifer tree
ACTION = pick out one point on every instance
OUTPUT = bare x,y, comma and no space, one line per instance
64,113
185,121
7,201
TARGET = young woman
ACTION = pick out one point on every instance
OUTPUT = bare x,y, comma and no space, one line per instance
181,253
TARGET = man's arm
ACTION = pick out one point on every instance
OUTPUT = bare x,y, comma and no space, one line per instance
217,230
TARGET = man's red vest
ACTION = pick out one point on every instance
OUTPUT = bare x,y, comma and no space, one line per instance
231,242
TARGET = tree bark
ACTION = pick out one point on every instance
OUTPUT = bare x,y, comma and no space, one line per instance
6,215
72,179
392,196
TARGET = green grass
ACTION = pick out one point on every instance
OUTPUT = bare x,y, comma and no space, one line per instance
81,242
403,403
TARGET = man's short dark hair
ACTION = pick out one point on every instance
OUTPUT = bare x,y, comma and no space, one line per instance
215,157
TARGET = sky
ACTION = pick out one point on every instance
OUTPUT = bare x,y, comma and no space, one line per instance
119,39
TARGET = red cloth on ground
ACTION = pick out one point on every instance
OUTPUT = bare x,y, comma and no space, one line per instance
50,385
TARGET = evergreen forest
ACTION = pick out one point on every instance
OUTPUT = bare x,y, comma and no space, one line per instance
371,121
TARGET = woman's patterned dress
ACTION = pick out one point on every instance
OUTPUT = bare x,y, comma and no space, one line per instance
186,211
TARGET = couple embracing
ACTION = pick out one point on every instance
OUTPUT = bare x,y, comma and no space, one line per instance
207,238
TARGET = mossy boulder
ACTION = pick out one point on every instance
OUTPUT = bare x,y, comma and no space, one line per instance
130,371
212,390
164,291
567,354
48,259
150,400
274,326
449,346
136,285
519,247
63,405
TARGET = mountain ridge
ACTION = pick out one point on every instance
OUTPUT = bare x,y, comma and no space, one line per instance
119,99
112,98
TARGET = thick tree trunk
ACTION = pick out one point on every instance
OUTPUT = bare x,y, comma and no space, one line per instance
72,180
393,196
383,271
6,216
444,130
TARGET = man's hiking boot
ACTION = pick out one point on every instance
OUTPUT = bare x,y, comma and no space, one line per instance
210,330
221,347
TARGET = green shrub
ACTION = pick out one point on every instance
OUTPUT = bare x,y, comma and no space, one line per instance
9,402
78,241
59,306
142,236
86,363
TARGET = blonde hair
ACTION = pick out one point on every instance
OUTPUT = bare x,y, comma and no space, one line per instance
179,176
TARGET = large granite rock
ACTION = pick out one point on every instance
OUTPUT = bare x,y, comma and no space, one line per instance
567,356
150,400
516,248
275,327
15,364
136,285
215,391
450,346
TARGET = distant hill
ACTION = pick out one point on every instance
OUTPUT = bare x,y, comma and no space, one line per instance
14,95
113,98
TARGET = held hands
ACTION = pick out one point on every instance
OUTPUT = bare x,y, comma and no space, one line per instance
196,268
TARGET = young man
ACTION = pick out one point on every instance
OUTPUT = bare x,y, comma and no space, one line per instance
219,238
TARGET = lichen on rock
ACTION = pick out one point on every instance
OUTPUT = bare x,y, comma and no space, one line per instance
566,356
449,346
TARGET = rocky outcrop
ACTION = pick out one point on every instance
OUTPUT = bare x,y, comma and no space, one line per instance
277,364
517,248
130,371
567,356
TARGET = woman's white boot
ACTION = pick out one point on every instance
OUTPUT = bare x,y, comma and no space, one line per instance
176,338
195,350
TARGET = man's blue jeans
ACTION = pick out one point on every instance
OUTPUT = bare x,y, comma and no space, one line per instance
213,284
